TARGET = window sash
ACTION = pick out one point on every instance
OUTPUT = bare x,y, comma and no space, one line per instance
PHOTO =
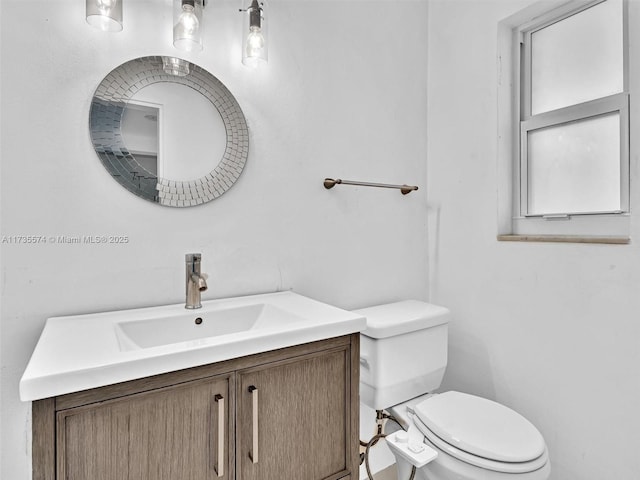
589,223
557,15
618,103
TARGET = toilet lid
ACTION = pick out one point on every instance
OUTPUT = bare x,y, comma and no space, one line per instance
481,427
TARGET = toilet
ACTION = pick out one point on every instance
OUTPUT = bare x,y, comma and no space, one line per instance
450,435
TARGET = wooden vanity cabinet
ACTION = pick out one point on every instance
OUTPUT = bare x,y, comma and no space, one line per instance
288,414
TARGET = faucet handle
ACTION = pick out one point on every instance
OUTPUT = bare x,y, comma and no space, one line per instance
193,257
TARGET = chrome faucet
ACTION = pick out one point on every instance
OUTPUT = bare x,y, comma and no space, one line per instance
196,281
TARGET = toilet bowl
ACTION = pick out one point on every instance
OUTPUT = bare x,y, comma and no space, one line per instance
475,439
451,435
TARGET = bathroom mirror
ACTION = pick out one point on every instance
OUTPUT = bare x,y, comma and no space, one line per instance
168,131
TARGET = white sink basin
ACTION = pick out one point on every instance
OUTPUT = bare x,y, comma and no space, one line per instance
80,352
200,324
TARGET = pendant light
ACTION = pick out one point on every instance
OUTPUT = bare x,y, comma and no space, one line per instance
254,45
105,15
187,30
175,66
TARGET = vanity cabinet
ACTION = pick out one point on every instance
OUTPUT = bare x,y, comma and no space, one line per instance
285,414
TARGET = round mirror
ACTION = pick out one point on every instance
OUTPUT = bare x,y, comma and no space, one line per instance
168,131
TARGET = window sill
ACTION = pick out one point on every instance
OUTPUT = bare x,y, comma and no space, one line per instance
611,240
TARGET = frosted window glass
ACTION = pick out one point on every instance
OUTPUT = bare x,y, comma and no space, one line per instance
577,59
575,167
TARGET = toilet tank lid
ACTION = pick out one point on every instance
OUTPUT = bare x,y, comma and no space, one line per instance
406,316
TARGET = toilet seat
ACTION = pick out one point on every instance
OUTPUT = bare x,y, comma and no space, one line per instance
481,432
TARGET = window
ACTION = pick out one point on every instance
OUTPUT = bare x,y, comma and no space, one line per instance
571,112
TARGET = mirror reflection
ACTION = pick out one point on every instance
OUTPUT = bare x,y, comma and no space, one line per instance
140,132
168,131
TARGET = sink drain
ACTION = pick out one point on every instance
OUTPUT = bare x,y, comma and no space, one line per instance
198,321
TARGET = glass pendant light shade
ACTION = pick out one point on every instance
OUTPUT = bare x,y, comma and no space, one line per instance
105,15
187,29
254,44
175,66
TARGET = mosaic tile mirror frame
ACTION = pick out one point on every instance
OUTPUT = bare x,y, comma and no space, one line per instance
105,124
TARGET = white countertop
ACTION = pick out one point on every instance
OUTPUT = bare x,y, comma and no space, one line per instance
80,352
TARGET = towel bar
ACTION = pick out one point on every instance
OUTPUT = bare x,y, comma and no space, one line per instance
404,189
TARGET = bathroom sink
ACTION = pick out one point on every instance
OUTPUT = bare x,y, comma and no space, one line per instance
195,325
80,352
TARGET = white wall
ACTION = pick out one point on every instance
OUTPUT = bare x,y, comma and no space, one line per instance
549,329
343,96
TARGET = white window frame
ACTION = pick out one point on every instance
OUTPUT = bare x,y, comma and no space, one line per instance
515,121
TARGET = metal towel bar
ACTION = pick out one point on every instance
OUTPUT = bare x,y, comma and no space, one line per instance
404,189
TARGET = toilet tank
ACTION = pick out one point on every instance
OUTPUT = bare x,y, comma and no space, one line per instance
403,352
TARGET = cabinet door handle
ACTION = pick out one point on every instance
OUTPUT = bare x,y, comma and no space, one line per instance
220,468
253,455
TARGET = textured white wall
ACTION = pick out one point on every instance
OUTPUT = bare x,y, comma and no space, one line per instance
549,329
344,95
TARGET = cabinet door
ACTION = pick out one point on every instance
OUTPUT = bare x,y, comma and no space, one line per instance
293,419
166,434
